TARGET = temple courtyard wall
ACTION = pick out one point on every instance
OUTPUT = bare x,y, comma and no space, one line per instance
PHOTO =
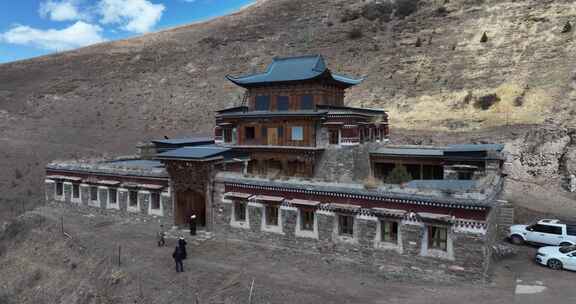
468,253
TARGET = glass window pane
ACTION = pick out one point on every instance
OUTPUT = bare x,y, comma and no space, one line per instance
282,103
297,133
262,103
306,102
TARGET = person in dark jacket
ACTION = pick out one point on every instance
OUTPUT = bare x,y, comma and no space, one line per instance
178,256
161,237
182,245
193,224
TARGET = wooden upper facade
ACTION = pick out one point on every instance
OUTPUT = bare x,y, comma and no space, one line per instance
296,103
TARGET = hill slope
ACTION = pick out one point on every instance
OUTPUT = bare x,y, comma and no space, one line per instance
427,62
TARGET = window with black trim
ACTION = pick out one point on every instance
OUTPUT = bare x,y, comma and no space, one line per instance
240,211
75,190
250,133
346,225
112,194
306,102
282,103
263,103
133,198
272,215
389,231
93,193
438,238
155,200
59,188
307,219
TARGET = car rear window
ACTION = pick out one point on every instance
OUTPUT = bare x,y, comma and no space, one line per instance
570,229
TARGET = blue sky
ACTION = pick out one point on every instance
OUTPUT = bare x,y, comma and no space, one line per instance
34,28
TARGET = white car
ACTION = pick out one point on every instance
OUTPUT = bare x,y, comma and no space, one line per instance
557,257
547,232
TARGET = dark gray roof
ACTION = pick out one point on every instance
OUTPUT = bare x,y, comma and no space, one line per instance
450,185
185,141
293,69
410,151
474,147
135,163
119,167
323,189
200,152
450,151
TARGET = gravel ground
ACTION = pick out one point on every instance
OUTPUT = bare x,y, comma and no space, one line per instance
85,270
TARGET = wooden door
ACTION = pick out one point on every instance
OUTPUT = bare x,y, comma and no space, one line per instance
273,136
190,202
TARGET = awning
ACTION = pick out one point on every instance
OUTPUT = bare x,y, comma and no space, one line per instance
151,186
64,177
268,198
389,212
436,217
345,207
238,195
109,182
302,202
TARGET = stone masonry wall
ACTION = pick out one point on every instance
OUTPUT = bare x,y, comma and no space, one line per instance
465,258
103,204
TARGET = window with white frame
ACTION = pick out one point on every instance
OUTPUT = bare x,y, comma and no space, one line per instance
133,198
389,231
272,215
59,188
155,200
438,238
93,193
240,211
346,225
75,190
112,196
306,219
297,133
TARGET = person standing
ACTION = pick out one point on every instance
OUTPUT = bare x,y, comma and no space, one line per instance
161,237
182,245
178,256
193,224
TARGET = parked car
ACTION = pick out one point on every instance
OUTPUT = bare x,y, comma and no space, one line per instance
547,232
557,257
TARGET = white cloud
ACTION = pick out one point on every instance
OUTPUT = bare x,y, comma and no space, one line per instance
77,35
61,10
138,16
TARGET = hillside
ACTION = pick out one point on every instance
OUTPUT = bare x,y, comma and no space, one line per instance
427,62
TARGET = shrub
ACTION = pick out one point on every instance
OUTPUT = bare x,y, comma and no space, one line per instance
398,175
355,33
486,101
405,8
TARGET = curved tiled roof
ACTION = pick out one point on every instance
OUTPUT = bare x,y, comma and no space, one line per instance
293,69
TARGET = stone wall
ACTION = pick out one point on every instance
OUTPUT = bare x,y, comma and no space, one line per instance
466,255
105,205
345,163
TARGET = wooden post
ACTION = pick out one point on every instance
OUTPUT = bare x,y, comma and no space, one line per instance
251,290
119,255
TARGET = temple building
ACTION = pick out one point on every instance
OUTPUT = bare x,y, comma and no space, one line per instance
294,166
